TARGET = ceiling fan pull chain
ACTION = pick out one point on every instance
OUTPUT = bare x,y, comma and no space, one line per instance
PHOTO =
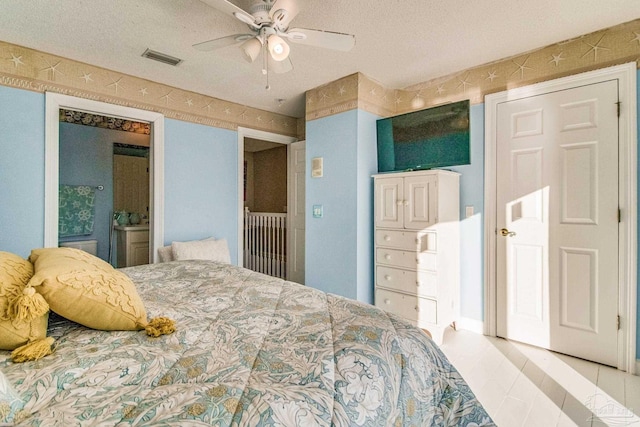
265,66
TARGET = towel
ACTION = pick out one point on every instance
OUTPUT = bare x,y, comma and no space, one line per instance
76,210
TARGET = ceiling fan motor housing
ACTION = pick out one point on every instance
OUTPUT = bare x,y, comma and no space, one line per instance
260,11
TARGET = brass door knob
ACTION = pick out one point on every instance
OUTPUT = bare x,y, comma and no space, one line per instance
506,233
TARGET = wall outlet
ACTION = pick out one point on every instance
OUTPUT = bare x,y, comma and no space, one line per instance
317,211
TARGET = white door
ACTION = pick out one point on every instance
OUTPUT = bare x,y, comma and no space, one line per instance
557,201
389,203
295,261
131,184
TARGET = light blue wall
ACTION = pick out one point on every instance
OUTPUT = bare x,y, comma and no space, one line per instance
86,158
472,229
330,248
201,183
367,166
339,248
201,190
21,170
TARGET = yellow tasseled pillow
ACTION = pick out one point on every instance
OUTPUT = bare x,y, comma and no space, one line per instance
89,291
23,314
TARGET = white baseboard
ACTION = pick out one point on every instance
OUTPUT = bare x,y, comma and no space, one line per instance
637,372
470,325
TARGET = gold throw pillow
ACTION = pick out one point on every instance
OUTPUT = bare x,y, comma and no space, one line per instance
87,290
15,273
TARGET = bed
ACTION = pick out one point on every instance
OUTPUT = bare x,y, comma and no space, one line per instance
249,350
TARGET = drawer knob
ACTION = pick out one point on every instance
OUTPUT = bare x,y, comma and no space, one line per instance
417,308
418,284
387,238
387,256
387,301
417,260
387,277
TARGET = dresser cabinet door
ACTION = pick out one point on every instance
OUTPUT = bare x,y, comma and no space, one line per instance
389,207
420,202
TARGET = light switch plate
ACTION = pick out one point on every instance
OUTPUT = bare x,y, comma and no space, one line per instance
317,211
317,168
468,211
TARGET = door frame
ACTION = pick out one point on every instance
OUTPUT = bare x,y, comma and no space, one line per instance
53,103
266,136
627,175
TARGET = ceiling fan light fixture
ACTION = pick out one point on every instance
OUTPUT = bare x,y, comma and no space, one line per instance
251,49
278,48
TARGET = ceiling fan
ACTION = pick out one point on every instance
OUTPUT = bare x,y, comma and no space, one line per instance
268,21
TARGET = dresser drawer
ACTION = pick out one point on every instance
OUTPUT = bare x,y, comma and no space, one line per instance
423,283
411,241
406,259
410,307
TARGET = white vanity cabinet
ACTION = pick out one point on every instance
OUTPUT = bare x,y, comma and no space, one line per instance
133,245
417,247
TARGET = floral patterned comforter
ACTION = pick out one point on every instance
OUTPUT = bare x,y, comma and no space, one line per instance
250,350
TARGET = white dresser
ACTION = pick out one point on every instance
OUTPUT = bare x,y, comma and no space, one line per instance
417,247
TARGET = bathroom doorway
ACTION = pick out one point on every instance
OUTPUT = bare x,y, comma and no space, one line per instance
93,185
155,121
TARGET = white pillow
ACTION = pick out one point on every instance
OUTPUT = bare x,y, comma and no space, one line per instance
165,254
213,250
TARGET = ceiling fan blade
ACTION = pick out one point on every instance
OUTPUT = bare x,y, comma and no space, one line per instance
326,39
282,12
279,67
222,42
233,10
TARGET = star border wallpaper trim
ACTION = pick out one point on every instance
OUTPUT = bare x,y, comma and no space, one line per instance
611,46
29,69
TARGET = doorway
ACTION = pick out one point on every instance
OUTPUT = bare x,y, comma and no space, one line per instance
265,207
571,300
94,184
55,102
264,238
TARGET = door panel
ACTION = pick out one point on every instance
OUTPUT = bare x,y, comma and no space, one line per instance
557,198
579,183
296,227
131,184
579,289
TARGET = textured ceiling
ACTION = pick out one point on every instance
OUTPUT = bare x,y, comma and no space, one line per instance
399,43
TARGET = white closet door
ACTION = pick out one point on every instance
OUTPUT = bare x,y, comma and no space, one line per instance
557,201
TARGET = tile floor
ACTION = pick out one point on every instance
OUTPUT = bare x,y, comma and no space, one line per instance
520,385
